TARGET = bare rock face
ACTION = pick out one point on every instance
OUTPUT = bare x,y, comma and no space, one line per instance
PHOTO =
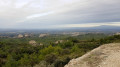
75,34
59,41
20,36
118,33
32,42
107,55
40,44
26,35
43,35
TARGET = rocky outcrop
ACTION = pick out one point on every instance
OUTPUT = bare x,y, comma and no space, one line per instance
59,41
43,35
118,33
20,36
33,42
107,55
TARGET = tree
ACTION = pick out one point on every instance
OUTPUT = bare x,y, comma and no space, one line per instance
50,58
11,62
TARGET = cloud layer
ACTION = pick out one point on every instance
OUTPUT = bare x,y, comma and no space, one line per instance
52,13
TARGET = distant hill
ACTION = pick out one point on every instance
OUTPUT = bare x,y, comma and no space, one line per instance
103,28
106,27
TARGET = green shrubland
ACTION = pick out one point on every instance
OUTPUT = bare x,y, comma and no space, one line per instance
18,53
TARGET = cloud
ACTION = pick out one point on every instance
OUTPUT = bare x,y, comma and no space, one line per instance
39,15
47,13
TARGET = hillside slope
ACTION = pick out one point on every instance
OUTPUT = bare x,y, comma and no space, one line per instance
107,55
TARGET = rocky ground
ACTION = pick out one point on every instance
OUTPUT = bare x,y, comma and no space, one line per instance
107,55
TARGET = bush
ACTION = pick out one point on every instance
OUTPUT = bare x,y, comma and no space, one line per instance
50,58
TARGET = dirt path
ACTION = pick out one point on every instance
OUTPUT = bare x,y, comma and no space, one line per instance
107,55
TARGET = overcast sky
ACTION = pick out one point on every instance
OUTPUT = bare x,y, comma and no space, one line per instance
37,14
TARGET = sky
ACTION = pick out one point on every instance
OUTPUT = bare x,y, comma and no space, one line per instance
42,14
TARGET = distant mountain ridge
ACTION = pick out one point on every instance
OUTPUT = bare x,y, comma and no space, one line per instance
103,28
99,27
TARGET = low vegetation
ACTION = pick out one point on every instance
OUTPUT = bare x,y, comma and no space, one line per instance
19,53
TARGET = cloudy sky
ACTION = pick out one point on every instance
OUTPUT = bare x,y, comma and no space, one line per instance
38,14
